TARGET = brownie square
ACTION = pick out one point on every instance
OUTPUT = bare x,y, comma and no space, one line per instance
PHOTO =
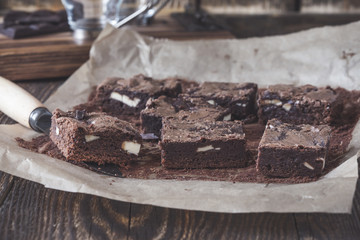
119,96
202,144
156,109
94,137
240,98
299,105
288,150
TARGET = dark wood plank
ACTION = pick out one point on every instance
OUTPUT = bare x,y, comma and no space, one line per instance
33,212
331,226
51,56
148,222
6,184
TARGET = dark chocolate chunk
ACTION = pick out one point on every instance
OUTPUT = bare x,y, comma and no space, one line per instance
20,24
80,114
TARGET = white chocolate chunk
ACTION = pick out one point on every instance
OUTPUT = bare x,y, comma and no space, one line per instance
212,102
314,129
241,104
323,162
287,107
206,148
57,131
125,99
306,164
274,102
89,138
227,117
131,147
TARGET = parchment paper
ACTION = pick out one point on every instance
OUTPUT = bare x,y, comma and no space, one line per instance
323,56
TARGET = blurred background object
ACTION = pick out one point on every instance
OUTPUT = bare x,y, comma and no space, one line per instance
179,19
217,6
30,5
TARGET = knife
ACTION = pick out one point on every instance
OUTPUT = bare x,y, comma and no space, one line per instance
24,108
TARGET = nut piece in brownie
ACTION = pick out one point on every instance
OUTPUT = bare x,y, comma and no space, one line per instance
94,137
288,150
156,109
240,98
202,144
299,105
119,96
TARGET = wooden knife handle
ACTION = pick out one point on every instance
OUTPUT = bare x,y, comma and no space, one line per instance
17,103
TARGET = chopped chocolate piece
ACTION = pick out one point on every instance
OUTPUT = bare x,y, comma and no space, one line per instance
128,96
288,150
97,137
149,136
240,98
299,105
80,114
19,24
202,144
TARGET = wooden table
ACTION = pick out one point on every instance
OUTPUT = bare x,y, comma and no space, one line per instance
28,210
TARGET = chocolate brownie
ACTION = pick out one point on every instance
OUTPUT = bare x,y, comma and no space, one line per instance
288,150
202,144
156,109
299,105
119,96
151,116
94,137
240,98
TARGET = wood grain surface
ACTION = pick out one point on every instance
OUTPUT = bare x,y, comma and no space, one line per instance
50,56
59,55
28,210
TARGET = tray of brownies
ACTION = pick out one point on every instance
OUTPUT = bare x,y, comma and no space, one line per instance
186,138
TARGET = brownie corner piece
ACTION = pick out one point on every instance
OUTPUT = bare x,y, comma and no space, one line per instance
305,104
94,137
288,150
202,144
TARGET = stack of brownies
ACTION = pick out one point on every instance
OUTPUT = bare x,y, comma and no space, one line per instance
201,125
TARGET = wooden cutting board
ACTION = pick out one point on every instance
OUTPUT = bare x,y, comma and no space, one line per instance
59,55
